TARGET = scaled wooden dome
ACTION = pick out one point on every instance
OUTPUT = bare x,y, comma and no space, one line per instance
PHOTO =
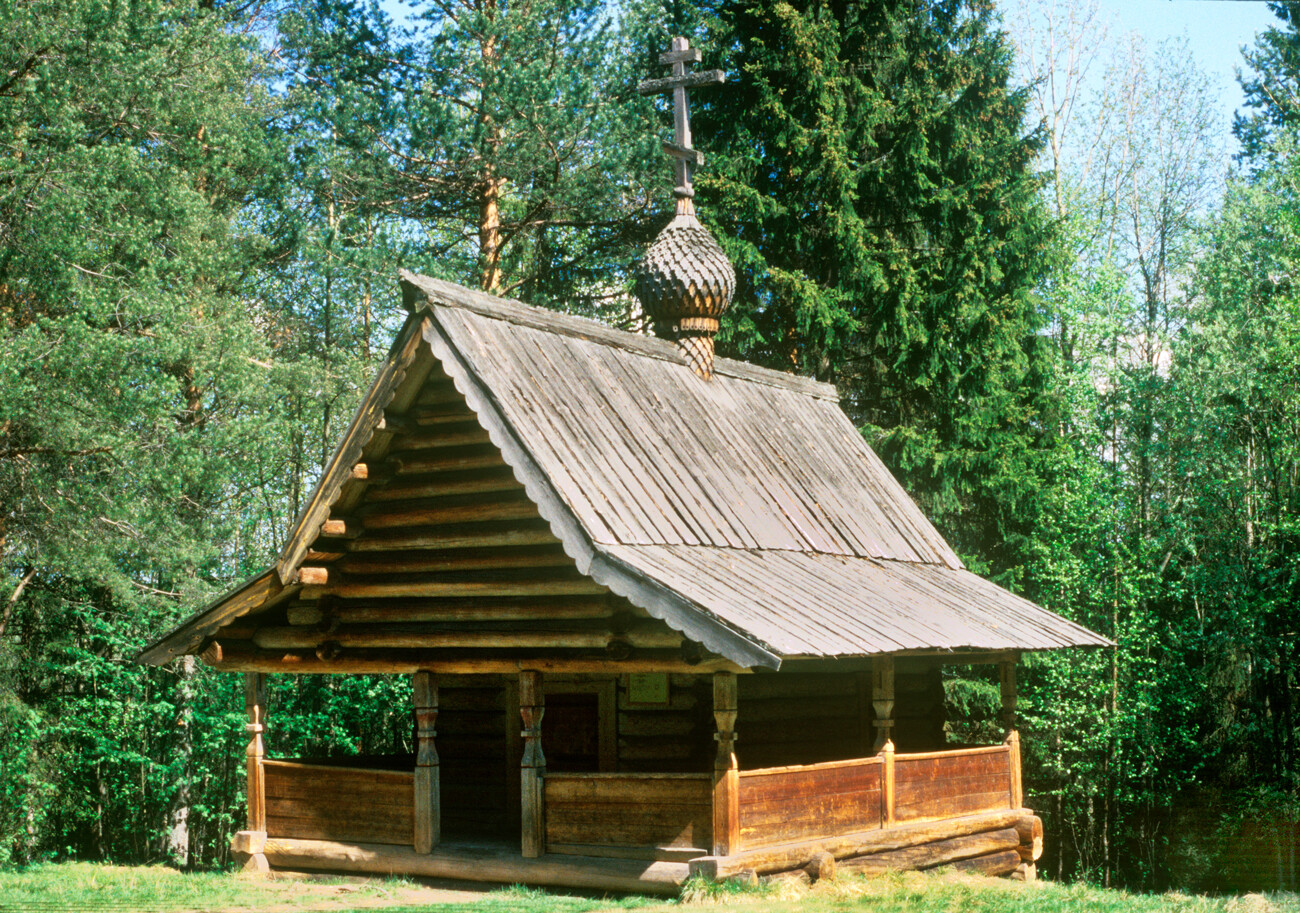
685,283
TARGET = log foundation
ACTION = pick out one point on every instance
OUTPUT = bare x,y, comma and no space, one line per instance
479,862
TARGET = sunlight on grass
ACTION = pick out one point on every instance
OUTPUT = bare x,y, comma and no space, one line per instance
155,889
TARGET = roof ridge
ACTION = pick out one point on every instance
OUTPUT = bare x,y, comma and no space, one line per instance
419,292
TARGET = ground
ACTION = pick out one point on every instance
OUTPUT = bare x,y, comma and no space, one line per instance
154,889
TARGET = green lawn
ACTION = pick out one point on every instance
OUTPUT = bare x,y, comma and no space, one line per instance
82,886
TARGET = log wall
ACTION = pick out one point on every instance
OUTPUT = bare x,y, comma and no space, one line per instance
674,737
648,815
475,730
311,802
782,805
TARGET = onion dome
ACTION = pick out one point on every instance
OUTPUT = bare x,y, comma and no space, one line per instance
684,284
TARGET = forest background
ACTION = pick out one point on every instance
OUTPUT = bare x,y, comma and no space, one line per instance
1071,334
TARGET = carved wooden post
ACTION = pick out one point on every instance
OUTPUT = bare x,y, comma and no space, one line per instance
248,844
532,771
428,799
882,702
726,771
1008,675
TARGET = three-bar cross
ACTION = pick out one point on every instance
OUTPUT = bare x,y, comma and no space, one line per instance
687,158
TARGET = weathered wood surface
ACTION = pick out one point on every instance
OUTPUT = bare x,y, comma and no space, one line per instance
809,604
844,846
407,365
247,657
726,770
947,784
643,812
415,635
255,753
315,802
786,805
1031,838
1004,862
427,798
940,852
532,770
498,863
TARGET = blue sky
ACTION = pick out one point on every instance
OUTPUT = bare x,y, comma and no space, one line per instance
1215,31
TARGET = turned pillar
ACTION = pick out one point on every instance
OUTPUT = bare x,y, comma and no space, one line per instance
1007,674
247,845
428,799
532,770
726,770
882,703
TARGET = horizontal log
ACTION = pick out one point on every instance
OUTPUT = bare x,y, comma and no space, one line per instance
446,483
682,854
416,636
941,852
785,687
467,583
793,856
503,865
436,393
430,561
463,434
471,508
445,461
314,556
1005,862
460,535
448,413
243,656
1031,838
488,609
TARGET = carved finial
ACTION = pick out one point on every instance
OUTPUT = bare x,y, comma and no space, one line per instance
685,281
680,54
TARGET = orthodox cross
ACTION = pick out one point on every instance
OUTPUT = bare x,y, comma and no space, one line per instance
687,159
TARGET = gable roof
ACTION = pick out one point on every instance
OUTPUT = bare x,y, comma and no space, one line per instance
745,512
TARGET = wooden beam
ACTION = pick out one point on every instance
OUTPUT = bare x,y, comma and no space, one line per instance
532,771
463,584
1030,829
417,636
882,699
470,508
470,458
255,754
460,535
1007,674
846,846
928,855
429,561
470,433
339,529
444,484
726,771
480,864
492,609
243,656
428,804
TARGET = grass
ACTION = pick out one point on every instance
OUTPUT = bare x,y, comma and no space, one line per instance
152,889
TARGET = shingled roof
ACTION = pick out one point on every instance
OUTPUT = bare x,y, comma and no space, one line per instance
745,512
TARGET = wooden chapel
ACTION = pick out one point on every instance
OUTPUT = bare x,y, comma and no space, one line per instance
664,613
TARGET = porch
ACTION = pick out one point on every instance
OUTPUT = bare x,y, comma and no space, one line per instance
646,831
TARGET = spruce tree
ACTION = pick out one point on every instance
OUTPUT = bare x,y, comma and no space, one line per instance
871,173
